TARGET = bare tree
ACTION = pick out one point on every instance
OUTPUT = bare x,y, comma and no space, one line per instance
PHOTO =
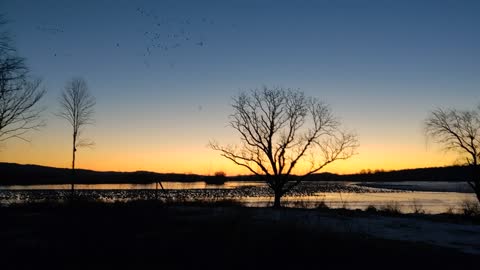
281,130
77,107
459,131
19,95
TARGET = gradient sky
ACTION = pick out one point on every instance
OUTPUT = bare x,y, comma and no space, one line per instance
381,65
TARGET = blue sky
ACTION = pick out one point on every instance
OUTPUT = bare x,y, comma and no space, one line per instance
382,65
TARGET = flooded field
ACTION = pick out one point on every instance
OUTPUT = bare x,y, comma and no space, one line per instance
308,195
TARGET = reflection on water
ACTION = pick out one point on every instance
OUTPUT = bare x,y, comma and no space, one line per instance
307,195
422,186
430,202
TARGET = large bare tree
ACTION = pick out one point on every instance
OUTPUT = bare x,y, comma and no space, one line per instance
19,95
77,107
285,137
459,131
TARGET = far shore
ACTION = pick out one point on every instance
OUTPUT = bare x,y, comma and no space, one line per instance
27,174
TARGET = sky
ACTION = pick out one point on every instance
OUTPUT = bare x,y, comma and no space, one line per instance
164,74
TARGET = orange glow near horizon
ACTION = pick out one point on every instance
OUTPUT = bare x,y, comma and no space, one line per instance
190,159
183,149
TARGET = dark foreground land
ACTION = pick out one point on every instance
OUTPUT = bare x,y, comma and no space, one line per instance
145,235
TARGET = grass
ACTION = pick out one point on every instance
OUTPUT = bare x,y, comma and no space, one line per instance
467,211
417,208
322,205
470,208
371,209
392,208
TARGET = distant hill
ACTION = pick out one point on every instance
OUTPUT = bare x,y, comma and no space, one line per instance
17,174
450,173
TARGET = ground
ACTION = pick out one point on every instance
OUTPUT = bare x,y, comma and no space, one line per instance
143,235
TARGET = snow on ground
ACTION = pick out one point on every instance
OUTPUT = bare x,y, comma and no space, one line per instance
463,237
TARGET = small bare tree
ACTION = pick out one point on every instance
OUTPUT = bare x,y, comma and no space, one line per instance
459,131
19,112
280,129
77,107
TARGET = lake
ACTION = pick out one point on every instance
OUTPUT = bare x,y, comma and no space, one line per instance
432,197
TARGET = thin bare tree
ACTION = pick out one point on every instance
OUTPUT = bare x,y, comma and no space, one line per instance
285,137
459,131
19,95
77,107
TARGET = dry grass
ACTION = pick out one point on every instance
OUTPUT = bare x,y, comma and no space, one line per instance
392,208
417,207
470,208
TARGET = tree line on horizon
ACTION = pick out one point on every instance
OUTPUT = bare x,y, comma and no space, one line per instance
279,128
20,174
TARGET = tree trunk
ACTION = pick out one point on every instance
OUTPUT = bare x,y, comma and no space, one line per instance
476,189
276,202
73,166
476,178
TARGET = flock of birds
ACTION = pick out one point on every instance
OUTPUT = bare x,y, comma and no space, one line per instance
161,35
209,193
168,34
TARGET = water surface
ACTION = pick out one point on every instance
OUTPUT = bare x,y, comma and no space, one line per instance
308,195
